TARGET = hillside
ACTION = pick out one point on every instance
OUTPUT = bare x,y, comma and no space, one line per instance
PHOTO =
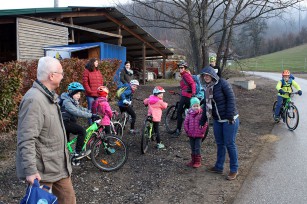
294,59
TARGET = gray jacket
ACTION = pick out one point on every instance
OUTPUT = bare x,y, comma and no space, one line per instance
41,139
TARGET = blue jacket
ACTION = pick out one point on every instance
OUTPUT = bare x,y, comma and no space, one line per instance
126,95
223,103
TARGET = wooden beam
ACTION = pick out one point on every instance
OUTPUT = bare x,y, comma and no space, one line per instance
134,34
163,67
144,62
73,26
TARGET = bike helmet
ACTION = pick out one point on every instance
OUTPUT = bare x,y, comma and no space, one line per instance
286,73
75,86
102,91
212,59
158,89
134,82
183,64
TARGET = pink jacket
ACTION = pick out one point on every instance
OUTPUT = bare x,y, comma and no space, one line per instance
155,107
191,124
103,108
187,84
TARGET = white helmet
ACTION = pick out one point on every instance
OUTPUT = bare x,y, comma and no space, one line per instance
134,82
158,89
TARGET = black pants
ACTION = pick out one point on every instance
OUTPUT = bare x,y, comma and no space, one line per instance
74,128
156,130
183,103
107,129
131,112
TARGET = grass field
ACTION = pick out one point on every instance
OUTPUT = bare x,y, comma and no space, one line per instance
294,59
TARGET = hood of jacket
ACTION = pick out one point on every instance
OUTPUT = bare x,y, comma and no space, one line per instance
194,113
102,99
153,99
65,96
210,71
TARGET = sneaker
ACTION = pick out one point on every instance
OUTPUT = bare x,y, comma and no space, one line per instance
176,134
276,119
82,154
133,131
214,170
232,176
75,162
160,146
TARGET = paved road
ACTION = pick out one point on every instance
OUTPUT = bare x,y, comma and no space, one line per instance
279,175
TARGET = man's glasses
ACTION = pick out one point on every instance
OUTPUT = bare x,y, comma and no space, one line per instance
58,73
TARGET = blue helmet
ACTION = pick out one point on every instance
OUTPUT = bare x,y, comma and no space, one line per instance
75,86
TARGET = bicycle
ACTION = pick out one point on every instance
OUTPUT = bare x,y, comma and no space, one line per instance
288,112
170,118
116,126
147,134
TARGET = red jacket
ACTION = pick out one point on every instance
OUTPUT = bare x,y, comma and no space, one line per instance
187,85
91,81
191,124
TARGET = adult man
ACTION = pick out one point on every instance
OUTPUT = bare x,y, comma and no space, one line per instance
41,139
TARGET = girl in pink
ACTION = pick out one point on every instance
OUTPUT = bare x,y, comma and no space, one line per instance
101,107
194,131
155,105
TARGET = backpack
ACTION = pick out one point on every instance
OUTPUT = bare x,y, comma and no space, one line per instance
120,91
199,89
116,77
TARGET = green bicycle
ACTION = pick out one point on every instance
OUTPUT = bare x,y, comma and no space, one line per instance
147,134
288,112
107,152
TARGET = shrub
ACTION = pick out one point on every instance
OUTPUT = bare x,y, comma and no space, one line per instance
17,78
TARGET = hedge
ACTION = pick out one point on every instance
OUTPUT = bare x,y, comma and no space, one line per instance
17,77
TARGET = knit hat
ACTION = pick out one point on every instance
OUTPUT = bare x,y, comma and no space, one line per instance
194,100
102,94
102,91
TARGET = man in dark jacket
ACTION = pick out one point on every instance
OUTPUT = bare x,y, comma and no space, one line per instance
221,106
41,140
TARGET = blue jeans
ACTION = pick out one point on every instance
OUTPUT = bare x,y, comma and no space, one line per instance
225,137
90,101
278,106
195,145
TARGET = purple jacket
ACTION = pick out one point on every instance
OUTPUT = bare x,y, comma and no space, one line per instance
191,124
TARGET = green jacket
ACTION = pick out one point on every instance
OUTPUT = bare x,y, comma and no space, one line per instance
41,139
287,87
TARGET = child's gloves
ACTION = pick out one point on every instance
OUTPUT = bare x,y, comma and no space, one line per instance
127,102
95,117
300,92
282,92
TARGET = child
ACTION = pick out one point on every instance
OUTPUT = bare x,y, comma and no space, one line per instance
125,100
70,111
155,106
194,132
101,107
283,87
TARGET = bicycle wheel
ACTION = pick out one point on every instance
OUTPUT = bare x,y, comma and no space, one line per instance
109,153
123,119
145,137
90,143
292,117
117,130
170,119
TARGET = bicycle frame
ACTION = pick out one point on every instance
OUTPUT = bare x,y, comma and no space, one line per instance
89,131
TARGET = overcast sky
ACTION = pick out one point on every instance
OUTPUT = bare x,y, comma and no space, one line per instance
18,4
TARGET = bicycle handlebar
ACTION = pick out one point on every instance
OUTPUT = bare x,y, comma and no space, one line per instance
290,93
174,93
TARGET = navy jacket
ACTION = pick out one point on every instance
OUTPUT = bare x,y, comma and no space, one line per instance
223,103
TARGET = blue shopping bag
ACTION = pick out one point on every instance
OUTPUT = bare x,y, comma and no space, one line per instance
36,195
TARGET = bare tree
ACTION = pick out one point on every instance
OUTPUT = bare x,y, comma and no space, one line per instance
204,20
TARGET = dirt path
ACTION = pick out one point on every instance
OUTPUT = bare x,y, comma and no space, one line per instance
161,176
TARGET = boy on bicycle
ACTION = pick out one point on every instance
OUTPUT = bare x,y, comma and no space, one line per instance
155,105
71,109
284,88
125,100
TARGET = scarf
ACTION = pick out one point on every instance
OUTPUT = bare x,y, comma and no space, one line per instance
209,97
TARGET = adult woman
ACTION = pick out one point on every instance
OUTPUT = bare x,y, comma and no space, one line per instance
188,89
92,79
126,74
220,103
